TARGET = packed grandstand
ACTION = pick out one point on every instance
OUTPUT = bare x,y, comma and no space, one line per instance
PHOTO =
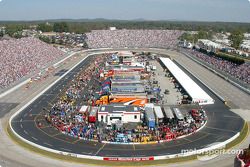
116,99
133,38
239,71
21,57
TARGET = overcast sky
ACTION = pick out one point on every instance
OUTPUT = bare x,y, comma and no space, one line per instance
196,10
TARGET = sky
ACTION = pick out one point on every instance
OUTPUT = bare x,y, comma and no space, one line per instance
182,10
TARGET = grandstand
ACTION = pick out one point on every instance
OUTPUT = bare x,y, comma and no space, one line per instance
133,38
21,57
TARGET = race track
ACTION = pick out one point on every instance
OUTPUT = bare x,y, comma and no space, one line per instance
222,125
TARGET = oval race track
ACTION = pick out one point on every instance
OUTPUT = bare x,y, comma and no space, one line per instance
222,124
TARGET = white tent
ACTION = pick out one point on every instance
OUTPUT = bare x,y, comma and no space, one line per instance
197,94
158,112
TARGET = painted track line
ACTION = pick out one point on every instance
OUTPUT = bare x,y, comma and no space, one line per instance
100,148
47,144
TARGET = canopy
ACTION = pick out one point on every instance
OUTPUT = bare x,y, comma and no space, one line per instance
197,94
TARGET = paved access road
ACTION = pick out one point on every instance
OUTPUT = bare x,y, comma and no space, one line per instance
222,125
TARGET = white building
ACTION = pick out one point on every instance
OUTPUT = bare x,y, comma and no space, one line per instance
247,36
112,28
226,42
208,45
112,114
185,44
245,46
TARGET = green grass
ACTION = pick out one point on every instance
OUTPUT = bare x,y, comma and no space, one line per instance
242,136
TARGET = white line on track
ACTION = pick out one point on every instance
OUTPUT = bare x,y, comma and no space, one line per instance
26,132
34,138
65,149
47,144
48,94
21,125
220,129
100,149
237,117
86,153
111,155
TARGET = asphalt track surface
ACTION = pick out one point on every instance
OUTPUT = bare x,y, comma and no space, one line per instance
222,125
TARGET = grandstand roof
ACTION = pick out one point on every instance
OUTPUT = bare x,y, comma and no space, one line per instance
196,93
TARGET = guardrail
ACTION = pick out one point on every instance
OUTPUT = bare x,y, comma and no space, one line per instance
217,146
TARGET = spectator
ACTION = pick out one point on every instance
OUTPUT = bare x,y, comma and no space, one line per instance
133,38
241,72
21,57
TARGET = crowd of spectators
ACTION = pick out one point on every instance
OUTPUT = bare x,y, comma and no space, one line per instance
74,123
165,131
67,117
68,39
21,57
241,72
133,38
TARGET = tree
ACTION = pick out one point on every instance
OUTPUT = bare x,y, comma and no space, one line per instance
61,27
45,39
44,27
186,36
236,37
1,33
14,29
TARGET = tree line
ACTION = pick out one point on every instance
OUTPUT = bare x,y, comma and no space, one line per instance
56,27
225,56
205,29
84,26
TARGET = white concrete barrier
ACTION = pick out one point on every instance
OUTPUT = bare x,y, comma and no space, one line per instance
199,151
